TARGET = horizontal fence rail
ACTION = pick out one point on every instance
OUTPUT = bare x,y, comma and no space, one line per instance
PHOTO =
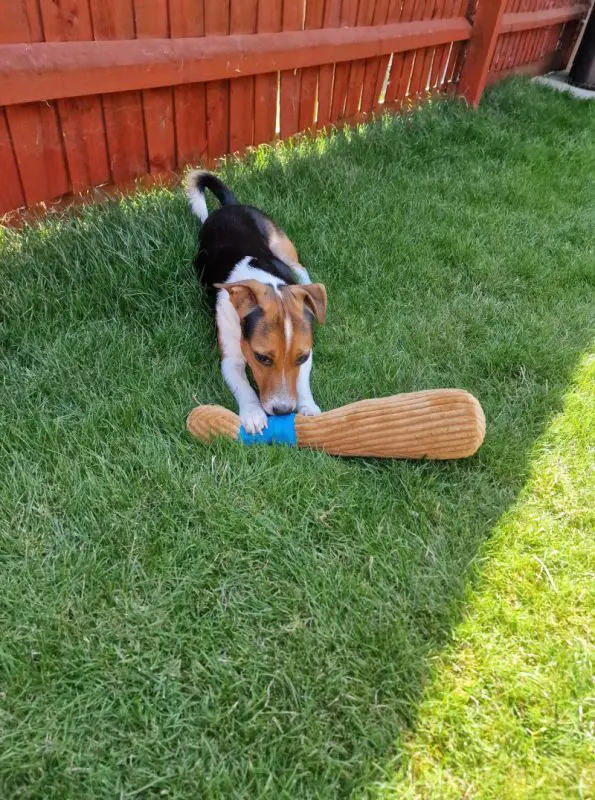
108,92
74,69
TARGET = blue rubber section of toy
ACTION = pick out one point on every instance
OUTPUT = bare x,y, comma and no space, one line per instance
279,430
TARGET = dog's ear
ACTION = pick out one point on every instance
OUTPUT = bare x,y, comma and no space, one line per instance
245,296
314,299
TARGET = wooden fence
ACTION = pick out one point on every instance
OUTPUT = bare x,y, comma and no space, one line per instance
103,92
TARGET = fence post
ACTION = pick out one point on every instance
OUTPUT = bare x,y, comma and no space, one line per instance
480,49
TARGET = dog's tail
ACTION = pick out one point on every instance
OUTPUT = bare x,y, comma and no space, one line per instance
196,182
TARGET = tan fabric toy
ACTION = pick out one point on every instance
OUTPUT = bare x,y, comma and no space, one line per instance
437,424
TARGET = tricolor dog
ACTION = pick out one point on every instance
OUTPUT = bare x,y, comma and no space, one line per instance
265,304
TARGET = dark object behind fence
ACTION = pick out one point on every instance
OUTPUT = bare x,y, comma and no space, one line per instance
582,72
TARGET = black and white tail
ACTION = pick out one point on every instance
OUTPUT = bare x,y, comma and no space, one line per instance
197,181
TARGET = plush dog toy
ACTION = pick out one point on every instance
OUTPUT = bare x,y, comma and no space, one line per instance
437,424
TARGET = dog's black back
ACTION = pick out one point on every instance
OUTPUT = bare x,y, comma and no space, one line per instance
228,235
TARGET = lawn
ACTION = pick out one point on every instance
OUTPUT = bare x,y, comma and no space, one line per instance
221,622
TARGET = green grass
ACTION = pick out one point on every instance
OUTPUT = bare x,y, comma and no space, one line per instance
510,712
224,622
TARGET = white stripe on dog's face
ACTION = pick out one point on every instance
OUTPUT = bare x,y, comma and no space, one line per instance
267,322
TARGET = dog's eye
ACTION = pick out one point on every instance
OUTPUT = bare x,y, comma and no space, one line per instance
264,360
302,359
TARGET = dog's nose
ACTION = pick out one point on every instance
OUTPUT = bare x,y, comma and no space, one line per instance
281,409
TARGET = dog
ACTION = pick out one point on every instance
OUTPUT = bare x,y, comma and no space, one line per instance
265,304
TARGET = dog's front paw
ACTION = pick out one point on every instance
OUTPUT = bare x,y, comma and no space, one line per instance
308,409
253,419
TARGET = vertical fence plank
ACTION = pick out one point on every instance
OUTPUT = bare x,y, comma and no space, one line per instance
11,190
217,92
423,59
480,50
123,113
186,18
375,66
21,22
33,128
37,141
457,55
81,118
365,15
413,60
341,83
516,44
265,86
84,141
293,16
394,89
506,45
314,19
241,90
152,22
437,78
326,73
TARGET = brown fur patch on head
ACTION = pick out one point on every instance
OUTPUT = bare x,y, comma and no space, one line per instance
278,338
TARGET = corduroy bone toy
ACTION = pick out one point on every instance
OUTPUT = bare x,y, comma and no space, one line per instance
437,424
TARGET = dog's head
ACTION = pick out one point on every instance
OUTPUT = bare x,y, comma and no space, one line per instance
277,335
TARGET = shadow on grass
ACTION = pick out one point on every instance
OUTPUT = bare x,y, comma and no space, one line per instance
229,622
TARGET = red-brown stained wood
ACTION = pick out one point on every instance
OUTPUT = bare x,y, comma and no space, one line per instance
390,63
158,114
241,90
20,21
365,16
342,70
293,14
480,50
531,20
112,19
413,62
46,71
441,55
539,67
456,56
123,113
506,44
37,143
442,52
83,130
423,61
393,90
453,70
186,19
314,19
375,66
521,40
152,22
33,128
514,44
60,144
217,92
11,192
326,73
66,20
125,133
265,86
81,118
